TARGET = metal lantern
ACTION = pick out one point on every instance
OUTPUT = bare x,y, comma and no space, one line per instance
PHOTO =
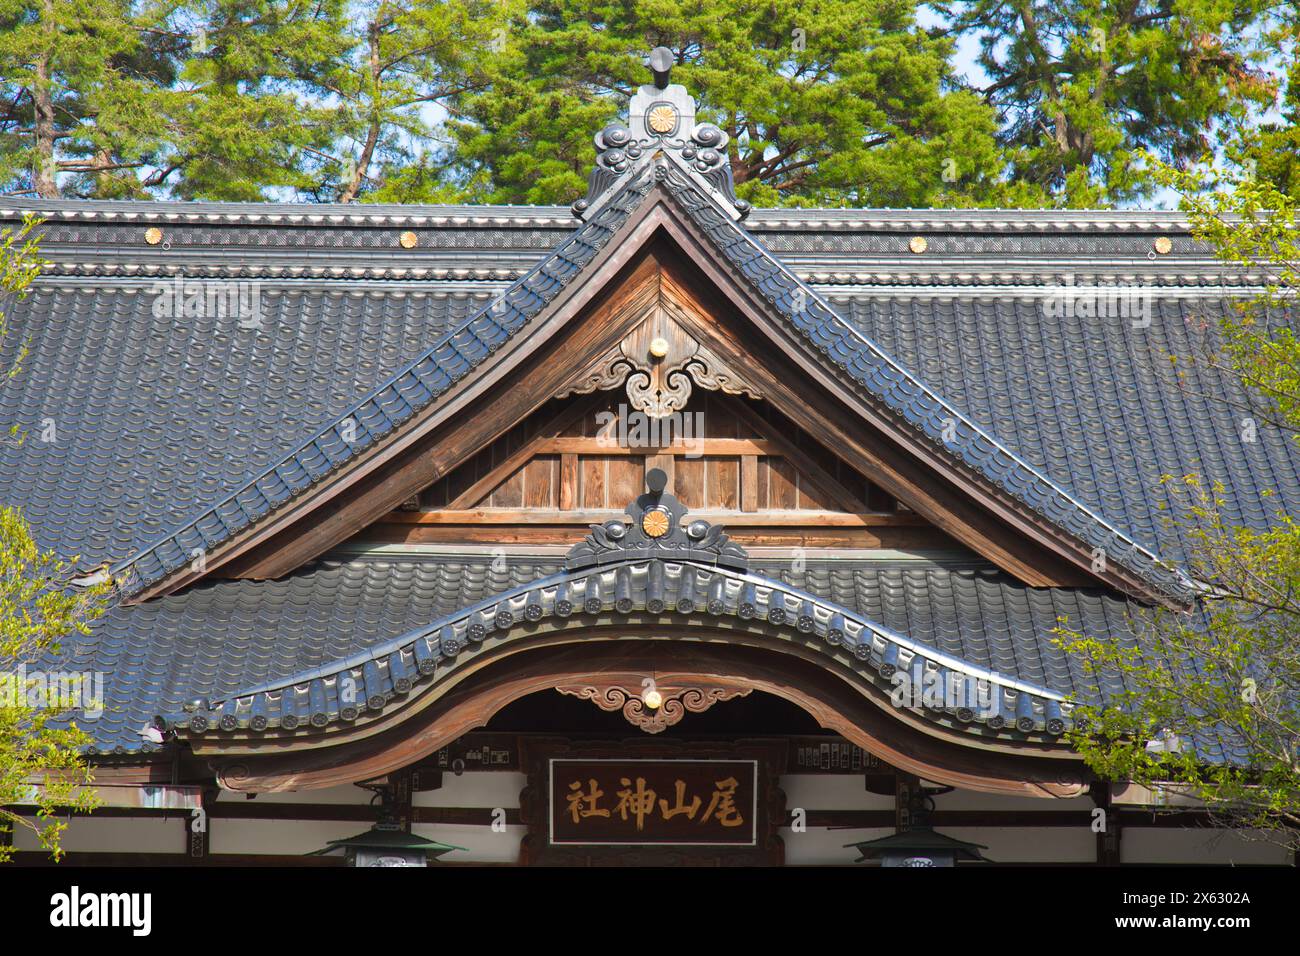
919,847
386,844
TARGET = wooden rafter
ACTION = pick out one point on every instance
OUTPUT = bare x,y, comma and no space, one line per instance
825,482
544,442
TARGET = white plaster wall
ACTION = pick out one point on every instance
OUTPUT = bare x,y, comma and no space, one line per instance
289,837
815,791
481,844
819,846
474,789
115,835
976,800
1193,845
1031,844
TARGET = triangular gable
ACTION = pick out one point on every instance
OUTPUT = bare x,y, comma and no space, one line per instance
659,195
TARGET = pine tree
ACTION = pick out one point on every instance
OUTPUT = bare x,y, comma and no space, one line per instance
826,102
1083,86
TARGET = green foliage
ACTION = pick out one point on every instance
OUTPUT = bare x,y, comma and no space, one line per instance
42,766
1271,151
827,102
1227,676
41,763
248,113
413,56
1085,85
20,263
1198,689
79,95
1251,224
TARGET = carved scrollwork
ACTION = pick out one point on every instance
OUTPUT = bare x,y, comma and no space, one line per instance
708,372
609,371
660,385
659,392
676,702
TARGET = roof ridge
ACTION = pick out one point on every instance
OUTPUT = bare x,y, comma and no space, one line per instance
769,217
421,381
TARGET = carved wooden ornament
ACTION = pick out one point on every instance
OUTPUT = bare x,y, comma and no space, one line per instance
676,701
660,363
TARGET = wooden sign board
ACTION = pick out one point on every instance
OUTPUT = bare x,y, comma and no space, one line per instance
639,802
714,803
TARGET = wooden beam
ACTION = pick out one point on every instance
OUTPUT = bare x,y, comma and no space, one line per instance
568,481
565,535
749,483
540,444
731,519
803,462
733,447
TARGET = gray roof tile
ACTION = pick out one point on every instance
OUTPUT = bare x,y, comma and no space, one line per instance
435,368
156,418
223,637
1091,404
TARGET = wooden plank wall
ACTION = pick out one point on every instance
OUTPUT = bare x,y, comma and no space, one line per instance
547,479
602,479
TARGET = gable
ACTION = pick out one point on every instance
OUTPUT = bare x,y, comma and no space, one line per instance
731,459
931,457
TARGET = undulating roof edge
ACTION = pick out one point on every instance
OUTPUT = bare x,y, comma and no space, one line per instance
222,638
362,687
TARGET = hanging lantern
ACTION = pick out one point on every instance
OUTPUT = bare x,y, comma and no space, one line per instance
919,847
386,844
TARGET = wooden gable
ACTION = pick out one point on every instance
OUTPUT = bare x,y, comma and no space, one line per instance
657,272
731,459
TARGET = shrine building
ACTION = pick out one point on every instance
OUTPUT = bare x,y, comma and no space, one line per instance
656,530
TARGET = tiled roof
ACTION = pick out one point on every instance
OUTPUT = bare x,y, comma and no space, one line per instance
152,419
155,418
1092,402
459,351
223,637
416,385
363,686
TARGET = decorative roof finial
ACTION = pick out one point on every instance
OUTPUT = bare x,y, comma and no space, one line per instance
661,62
661,123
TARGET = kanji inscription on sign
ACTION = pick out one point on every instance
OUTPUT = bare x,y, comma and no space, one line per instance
635,802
